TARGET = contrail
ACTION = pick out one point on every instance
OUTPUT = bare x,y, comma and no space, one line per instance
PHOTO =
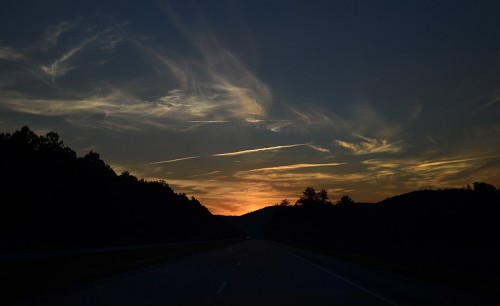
173,160
317,148
295,166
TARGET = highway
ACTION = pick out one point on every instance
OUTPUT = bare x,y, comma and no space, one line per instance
258,272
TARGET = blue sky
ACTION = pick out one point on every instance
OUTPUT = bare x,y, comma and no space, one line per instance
244,103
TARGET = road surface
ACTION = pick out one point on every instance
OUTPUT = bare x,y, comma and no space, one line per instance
257,272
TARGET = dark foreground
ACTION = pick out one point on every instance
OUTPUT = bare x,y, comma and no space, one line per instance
257,272
33,274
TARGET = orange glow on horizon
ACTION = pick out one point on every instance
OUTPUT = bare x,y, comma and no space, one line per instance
239,206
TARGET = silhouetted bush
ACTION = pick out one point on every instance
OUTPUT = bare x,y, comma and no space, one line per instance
483,187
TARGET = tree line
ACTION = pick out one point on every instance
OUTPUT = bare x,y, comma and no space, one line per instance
50,198
311,198
455,217
451,234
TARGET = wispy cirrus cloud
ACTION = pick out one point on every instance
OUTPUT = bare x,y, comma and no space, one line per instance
10,54
273,125
292,167
318,148
205,174
53,32
298,179
216,103
216,84
424,172
115,110
210,86
174,160
299,175
79,38
416,164
62,65
216,87
209,121
361,119
273,148
489,103
440,163
370,145
49,58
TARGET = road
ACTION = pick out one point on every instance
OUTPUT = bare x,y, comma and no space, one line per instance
257,272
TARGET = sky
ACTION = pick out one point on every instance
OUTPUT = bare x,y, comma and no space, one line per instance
244,103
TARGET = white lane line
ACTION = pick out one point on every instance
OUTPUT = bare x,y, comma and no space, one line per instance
222,287
341,278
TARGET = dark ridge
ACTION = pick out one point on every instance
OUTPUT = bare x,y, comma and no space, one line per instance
52,199
450,236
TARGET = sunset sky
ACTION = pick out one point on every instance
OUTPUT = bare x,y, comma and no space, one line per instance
243,103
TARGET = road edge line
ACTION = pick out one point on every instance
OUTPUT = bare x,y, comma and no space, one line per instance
338,276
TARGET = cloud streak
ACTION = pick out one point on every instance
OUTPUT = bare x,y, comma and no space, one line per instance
293,167
205,174
273,148
174,160
489,103
210,86
116,110
300,180
10,54
370,146
418,172
216,84
61,65
52,33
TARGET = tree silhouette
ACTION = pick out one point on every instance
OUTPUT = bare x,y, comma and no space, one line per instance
93,158
483,187
345,201
284,202
322,197
307,198
309,194
127,177
311,198
26,137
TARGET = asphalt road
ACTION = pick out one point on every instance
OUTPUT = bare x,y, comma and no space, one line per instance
258,272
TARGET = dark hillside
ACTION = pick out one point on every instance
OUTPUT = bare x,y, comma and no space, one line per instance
448,235
50,198
255,224
455,217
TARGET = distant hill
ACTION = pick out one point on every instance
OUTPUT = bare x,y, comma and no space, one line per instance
254,224
50,198
450,216
451,235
